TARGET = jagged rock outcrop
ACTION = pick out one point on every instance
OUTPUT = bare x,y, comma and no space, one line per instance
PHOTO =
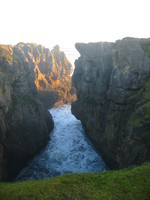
52,74
24,123
29,73
113,101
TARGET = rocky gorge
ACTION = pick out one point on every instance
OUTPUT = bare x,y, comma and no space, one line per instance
112,82
32,79
113,99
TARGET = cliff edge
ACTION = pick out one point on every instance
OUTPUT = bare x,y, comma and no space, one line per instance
113,101
24,123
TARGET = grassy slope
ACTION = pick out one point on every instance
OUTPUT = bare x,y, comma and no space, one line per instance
131,183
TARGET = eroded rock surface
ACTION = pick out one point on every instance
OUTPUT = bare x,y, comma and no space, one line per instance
24,123
113,101
52,74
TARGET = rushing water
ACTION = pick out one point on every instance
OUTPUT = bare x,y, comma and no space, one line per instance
68,151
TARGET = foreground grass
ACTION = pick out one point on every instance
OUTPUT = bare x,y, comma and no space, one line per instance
132,183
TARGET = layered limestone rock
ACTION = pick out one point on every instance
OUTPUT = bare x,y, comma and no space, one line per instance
113,101
52,74
24,123
29,73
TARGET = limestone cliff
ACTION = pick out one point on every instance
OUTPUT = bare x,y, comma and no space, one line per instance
113,101
24,123
52,74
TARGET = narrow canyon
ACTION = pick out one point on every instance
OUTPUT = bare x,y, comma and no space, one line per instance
108,92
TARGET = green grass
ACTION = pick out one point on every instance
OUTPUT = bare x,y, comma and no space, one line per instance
128,184
145,45
146,49
142,113
134,120
144,93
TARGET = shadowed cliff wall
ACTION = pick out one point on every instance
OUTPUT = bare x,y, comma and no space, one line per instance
113,85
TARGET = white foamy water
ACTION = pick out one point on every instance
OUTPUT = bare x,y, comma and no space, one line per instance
68,151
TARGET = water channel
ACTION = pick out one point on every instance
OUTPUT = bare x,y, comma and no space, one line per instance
68,151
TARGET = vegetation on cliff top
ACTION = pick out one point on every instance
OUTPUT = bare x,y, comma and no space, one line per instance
132,183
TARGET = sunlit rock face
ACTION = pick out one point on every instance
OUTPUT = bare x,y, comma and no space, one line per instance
113,85
29,74
24,123
52,74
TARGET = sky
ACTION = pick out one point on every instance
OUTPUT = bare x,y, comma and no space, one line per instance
65,22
